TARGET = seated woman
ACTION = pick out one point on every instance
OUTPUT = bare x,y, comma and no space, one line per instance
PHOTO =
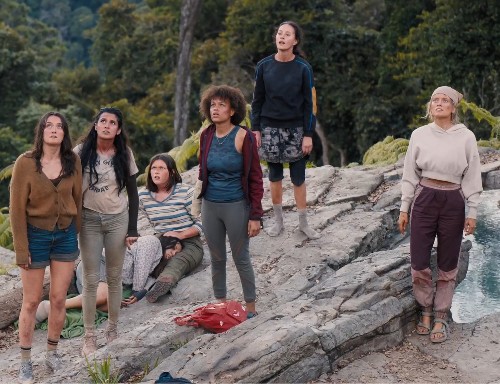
166,203
140,260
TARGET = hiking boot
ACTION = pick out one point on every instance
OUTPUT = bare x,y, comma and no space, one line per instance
53,360
26,372
111,332
159,289
89,344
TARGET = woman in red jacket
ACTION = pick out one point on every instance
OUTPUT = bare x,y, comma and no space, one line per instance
232,188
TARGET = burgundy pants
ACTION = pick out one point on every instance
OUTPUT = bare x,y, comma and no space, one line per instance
436,211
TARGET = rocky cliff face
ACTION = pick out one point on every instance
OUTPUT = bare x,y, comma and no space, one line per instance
319,301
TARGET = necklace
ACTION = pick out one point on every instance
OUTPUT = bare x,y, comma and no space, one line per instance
223,137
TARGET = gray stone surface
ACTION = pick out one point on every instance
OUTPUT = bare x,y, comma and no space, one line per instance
492,180
320,302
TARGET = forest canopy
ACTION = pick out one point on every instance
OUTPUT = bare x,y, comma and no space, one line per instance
375,63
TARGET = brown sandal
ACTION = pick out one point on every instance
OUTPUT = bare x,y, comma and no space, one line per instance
443,331
421,324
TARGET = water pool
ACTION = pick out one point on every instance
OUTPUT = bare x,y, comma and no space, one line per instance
479,293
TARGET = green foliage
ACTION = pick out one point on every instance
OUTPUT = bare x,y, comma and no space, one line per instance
28,116
481,114
102,371
16,72
5,230
492,143
455,45
375,63
133,48
11,143
385,152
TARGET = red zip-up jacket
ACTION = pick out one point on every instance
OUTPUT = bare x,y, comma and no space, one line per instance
251,180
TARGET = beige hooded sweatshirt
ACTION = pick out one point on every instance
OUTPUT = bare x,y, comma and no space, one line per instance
448,155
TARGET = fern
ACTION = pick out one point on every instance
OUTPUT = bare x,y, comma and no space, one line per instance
6,173
483,114
387,151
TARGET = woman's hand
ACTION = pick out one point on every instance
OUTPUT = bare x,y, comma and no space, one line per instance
169,253
403,222
25,266
307,145
258,138
253,228
469,226
131,300
134,298
129,240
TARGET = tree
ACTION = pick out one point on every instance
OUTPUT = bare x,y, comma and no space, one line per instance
456,45
16,72
189,14
133,48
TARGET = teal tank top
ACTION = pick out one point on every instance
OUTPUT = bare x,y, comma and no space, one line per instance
225,169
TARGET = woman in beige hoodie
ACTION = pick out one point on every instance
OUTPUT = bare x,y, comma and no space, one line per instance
441,178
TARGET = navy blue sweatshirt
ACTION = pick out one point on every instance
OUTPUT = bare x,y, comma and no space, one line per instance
284,95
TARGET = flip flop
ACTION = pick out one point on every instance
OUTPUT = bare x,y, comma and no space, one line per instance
443,331
422,325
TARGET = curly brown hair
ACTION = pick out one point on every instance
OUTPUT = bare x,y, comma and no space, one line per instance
224,92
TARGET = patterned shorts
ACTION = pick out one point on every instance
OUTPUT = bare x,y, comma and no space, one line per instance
281,145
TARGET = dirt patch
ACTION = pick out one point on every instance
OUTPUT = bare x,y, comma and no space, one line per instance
401,364
8,338
489,157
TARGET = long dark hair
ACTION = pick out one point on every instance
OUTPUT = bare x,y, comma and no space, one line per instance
68,158
299,36
174,176
121,159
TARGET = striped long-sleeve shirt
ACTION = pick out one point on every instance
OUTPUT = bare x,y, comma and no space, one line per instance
171,214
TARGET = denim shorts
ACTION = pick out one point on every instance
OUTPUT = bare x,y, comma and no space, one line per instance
297,171
58,245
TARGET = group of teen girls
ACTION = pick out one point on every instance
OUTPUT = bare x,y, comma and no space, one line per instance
59,192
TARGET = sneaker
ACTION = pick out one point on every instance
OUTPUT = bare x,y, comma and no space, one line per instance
111,333
159,289
26,372
53,360
89,344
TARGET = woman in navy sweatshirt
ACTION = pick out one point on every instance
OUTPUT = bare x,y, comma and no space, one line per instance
283,118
